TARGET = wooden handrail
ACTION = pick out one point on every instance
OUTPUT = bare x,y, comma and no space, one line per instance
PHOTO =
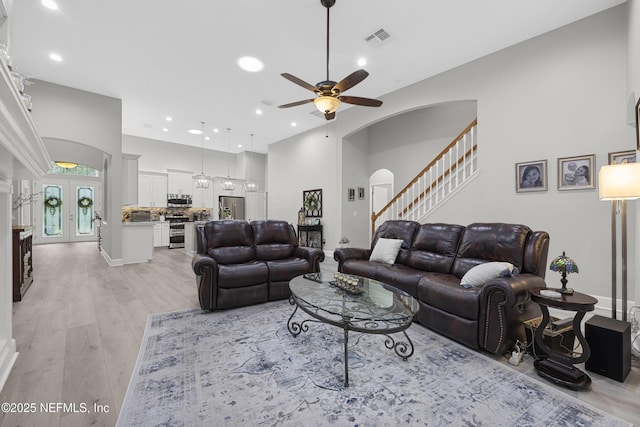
375,216
437,181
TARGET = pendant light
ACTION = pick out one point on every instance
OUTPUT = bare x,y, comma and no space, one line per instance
251,186
228,184
202,180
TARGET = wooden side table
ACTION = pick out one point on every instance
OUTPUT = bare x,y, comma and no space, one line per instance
558,366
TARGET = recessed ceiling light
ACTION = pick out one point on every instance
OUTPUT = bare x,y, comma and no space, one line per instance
239,145
49,4
251,64
259,112
55,57
294,124
362,62
169,118
195,131
165,130
216,131
207,138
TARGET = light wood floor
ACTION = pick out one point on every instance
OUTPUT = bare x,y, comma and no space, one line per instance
79,327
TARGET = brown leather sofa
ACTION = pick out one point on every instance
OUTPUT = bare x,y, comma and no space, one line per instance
240,263
431,262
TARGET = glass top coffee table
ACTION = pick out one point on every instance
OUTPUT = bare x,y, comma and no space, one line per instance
369,307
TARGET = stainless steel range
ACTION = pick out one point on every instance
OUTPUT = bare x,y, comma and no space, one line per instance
176,231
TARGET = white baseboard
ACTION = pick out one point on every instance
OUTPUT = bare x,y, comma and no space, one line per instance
112,262
8,356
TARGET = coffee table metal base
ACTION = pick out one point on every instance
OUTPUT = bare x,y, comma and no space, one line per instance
347,323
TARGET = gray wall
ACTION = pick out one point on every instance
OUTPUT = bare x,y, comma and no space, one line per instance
561,94
64,114
158,156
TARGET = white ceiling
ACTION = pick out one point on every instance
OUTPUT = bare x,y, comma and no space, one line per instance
178,58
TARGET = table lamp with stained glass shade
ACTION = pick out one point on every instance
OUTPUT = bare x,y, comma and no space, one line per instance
564,265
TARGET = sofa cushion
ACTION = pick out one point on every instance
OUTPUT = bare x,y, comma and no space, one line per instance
240,275
434,247
229,242
482,273
482,242
362,267
444,292
386,250
273,239
286,269
400,276
396,229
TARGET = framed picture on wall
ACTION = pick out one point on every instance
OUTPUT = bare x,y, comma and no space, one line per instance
531,176
351,194
360,193
312,202
622,157
576,173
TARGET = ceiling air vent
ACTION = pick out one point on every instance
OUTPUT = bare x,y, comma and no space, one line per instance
378,37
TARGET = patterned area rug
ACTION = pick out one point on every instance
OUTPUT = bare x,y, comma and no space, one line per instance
243,367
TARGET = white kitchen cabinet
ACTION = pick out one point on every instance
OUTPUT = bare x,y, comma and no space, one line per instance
203,197
157,235
152,190
160,234
180,182
165,234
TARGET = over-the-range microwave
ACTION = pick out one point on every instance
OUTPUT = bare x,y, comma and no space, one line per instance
178,200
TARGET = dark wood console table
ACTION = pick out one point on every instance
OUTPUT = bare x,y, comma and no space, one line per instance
558,366
304,238
22,260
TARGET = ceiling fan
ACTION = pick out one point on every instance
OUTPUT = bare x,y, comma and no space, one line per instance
329,92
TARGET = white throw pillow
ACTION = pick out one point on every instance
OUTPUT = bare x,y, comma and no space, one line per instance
386,250
482,273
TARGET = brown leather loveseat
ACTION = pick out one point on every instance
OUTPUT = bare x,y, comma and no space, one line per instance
432,260
240,263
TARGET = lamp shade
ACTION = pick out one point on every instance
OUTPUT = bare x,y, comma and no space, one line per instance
619,182
327,104
563,264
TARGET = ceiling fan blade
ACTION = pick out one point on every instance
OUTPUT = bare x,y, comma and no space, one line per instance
351,80
299,82
330,116
295,104
356,100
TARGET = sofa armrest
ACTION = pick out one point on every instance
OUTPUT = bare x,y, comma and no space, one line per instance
343,254
314,255
502,302
206,269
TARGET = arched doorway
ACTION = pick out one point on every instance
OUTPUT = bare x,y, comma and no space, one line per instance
381,191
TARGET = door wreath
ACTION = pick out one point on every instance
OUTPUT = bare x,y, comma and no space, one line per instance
85,203
52,202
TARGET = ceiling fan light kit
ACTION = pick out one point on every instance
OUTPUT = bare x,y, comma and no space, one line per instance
327,104
329,92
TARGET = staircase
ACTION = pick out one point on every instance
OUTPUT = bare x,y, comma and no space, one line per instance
439,180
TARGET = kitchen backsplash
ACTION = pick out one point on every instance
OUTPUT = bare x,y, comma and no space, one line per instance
156,213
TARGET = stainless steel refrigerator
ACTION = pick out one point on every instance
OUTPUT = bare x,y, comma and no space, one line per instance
231,207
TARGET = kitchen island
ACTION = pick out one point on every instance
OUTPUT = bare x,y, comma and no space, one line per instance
137,242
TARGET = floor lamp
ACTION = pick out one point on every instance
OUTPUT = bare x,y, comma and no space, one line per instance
619,183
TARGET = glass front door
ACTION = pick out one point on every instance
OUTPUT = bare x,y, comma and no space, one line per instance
67,212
